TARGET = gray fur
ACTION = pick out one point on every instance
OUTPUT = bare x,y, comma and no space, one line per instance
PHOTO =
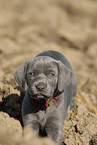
42,86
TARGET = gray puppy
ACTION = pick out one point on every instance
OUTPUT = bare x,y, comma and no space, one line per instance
52,88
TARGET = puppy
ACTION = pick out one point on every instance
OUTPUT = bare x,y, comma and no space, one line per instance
52,88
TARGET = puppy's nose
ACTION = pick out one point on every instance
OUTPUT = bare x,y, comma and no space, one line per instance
40,86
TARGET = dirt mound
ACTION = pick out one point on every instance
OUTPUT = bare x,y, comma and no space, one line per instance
11,133
80,126
30,27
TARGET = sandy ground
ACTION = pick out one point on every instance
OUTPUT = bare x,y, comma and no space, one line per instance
29,27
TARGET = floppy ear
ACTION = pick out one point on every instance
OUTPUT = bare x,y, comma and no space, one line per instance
64,76
20,74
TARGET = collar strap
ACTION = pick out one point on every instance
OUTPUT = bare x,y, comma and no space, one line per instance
50,102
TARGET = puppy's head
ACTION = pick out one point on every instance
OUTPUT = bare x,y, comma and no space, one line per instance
43,76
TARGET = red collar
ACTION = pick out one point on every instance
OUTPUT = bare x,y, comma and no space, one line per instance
50,102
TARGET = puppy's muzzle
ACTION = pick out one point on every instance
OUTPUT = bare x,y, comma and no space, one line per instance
41,86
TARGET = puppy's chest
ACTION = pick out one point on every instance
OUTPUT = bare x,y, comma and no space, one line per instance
42,117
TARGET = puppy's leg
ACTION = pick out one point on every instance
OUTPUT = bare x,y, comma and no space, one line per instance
54,129
74,92
30,121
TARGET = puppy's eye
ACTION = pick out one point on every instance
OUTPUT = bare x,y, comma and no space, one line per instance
31,74
51,75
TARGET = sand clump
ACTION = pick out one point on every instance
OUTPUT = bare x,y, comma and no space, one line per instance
11,133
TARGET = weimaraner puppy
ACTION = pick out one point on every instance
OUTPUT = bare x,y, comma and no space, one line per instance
52,88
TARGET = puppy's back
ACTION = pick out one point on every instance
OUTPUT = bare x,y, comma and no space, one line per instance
57,56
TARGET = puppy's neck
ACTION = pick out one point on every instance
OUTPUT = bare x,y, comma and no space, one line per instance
42,104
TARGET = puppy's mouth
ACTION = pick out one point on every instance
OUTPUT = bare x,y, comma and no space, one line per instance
39,96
